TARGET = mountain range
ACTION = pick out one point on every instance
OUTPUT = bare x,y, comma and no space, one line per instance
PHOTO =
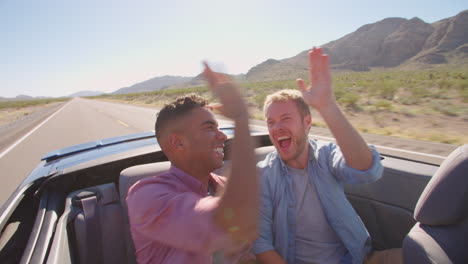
391,42
85,93
21,97
153,84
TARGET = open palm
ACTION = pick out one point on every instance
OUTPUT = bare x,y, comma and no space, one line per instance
232,104
319,93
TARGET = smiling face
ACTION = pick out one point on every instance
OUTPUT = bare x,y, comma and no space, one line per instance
202,141
289,132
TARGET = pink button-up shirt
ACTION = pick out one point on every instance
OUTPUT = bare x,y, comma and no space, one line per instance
171,219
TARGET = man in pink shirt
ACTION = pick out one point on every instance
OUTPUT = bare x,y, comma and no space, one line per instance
173,219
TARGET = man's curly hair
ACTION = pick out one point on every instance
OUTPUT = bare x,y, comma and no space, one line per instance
172,111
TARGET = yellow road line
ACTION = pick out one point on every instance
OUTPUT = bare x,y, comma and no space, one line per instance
122,123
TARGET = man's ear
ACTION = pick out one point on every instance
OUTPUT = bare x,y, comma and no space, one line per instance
175,141
307,121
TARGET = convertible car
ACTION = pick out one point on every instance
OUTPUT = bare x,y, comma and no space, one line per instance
71,208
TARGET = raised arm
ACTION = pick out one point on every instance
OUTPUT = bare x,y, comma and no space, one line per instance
237,211
319,95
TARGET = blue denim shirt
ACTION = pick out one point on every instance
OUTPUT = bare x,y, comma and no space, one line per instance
328,171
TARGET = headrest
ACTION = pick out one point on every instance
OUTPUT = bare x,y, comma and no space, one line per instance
445,198
129,176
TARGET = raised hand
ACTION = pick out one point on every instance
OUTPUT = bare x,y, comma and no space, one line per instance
240,197
232,105
319,93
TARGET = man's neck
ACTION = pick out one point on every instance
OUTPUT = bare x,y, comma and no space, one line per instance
301,161
201,176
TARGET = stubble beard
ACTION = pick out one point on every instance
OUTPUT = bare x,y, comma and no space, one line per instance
302,143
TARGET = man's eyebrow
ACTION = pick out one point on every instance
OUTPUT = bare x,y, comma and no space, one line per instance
282,115
209,122
288,113
285,114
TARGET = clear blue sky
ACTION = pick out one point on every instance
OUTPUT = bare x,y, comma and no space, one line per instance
55,48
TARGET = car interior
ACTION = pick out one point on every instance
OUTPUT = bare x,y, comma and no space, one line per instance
79,214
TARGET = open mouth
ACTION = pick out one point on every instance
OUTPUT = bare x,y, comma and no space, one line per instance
284,142
219,151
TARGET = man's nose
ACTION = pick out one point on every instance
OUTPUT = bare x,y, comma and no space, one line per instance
221,135
276,126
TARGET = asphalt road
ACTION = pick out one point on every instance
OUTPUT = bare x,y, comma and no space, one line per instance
82,120
76,122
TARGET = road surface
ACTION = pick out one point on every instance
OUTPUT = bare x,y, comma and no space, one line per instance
76,122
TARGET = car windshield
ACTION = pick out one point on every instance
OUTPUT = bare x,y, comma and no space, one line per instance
84,75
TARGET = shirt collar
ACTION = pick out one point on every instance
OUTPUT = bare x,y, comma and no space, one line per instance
191,182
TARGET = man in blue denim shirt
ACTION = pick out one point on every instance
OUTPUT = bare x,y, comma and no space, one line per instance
304,214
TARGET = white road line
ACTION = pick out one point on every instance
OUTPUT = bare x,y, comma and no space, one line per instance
412,152
30,132
394,149
122,123
377,146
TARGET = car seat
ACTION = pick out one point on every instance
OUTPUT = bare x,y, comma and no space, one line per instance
441,232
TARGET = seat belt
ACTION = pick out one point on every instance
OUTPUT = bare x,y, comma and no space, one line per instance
218,256
93,232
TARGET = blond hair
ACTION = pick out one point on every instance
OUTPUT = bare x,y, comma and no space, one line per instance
287,95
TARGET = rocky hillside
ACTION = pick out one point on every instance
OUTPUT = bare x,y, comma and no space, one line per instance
22,97
85,93
153,84
390,42
448,41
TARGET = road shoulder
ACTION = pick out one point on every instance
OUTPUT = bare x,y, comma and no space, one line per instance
13,129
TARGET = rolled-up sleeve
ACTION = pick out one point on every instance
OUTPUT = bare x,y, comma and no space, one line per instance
264,241
180,220
344,173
